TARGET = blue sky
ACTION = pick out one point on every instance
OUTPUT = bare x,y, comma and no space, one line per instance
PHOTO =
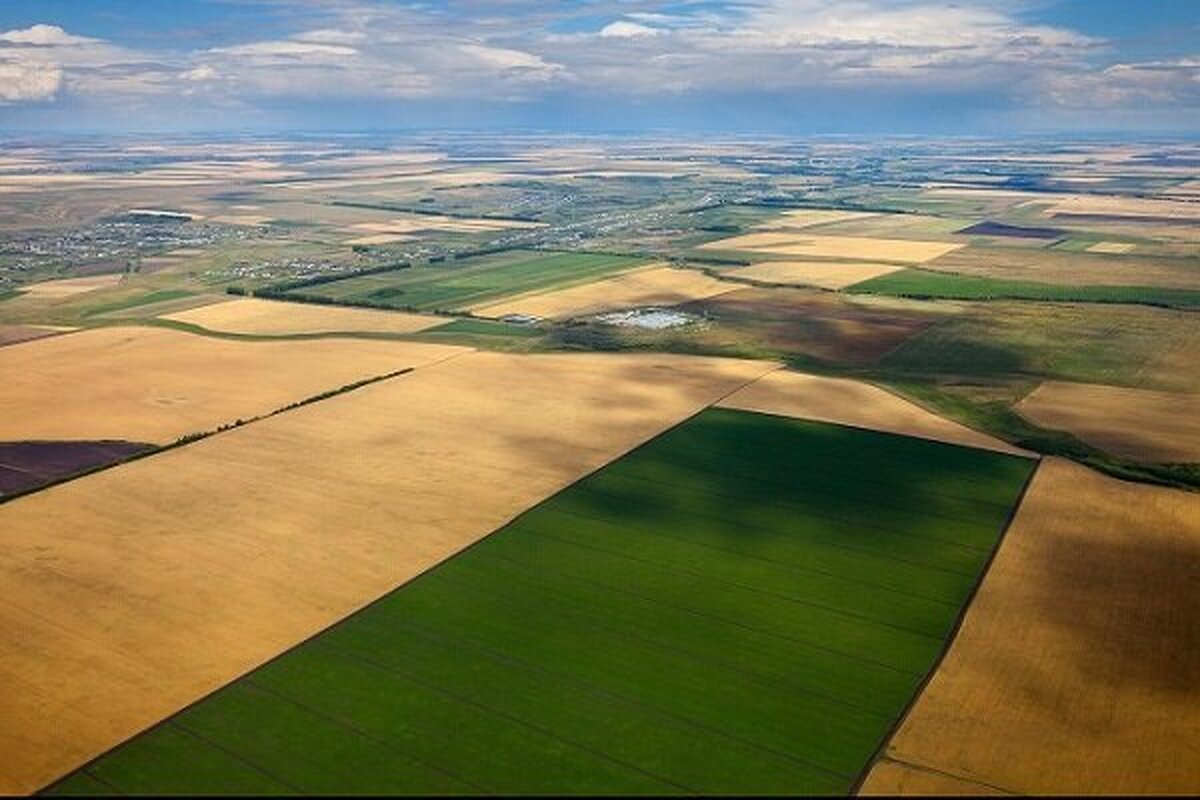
797,66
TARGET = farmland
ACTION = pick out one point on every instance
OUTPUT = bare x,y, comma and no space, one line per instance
582,649
659,286
928,284
471,282
198,383
206,542
1078,627
462,463
262,317
804,245
825,274
1138,424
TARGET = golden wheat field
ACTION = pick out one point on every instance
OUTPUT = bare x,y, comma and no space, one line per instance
1075,671
1138,424
848,402
823,274
851,248
109,581
156,385
661,286
270,317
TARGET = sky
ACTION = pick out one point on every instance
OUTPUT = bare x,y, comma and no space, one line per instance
786,66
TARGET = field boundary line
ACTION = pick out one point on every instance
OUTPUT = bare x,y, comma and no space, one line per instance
945,774
192,438
881,751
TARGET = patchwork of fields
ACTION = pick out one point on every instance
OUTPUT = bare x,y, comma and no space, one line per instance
251,540
744,605
929,284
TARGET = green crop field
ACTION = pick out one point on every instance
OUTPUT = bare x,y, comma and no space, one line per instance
472,281
927,284
746,604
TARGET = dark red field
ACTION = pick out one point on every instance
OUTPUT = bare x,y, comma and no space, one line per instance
27,465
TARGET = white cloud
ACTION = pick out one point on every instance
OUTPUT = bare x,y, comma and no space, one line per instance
504,58
624,29
43,36
204,72
23,82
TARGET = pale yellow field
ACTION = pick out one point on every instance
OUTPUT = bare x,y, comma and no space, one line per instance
1111,247
276,317
825,274
848,402
156,385
662,286
128,594
251,220
846,247
807,217
428,222
380,238
1127,207
1139,424
68,287
1075,671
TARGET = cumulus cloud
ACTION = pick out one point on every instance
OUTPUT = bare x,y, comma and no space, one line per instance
624,29
29,82
43,36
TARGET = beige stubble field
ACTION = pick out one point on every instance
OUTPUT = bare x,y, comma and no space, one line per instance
661,286
156,385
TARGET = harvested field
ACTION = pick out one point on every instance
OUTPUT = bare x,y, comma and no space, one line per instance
249,220
1075,671
808,217
27,465
818,324
1070,268
156,385
847,402
825,274
414,223
1106,206
1110,247
205,543
381,238
68,287
852,248
660,286
742,606
275,317
1138,424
